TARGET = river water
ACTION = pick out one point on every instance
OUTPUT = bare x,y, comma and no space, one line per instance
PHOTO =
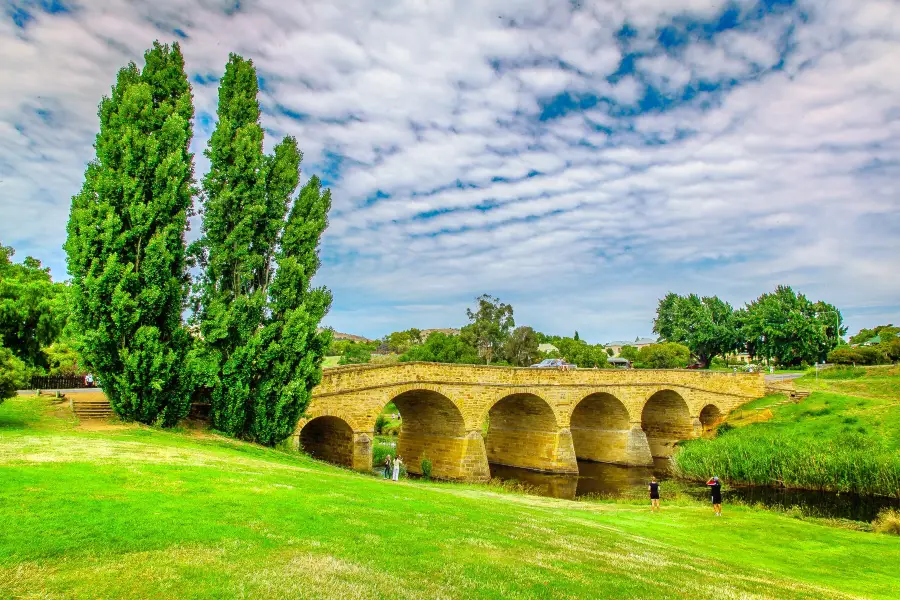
614,481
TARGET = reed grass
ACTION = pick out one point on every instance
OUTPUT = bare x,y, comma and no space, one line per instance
760,455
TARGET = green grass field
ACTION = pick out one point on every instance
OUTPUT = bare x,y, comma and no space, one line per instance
844,437
134,512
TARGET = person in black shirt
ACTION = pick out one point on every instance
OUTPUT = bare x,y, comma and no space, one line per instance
715,489
654,495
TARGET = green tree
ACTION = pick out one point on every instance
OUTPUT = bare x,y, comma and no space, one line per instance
443,348
355,355
629,353
580,353
257,312
705,325
489,326
667,355
521,349
13,373
125,244
787,327
33,309
577,339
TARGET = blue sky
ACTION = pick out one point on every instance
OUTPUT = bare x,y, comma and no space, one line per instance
577,159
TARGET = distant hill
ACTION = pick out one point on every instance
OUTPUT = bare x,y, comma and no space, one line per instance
446,330
349,336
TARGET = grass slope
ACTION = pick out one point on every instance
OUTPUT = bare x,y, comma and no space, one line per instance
844,437
141,513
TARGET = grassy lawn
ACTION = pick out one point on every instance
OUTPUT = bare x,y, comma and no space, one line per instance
330,361
843,437
135,512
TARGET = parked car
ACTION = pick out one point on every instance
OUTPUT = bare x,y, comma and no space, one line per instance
553,363
694,366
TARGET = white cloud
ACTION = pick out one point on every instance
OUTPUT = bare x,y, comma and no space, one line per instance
788,177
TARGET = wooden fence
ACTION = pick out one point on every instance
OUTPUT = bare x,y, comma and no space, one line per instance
58,382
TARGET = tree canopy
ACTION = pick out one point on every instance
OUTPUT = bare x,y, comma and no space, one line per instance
667,355
489,326
789,328
125,245
257,313
707,326
443,348
33,309
521,349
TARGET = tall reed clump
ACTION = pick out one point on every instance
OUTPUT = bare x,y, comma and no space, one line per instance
888,521
849,462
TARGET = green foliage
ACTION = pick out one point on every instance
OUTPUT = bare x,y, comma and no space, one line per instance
125,242
579,352
380,422
356,355
521,349
63,358
256,310
861,355
33,309
426,468
13,373
789,328
401,341
707,326
443,348
667,355
489,326
629,353
882,331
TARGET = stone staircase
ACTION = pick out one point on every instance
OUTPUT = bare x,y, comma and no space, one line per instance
92,409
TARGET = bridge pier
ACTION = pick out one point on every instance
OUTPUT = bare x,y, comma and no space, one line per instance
362,451
637,448
550,451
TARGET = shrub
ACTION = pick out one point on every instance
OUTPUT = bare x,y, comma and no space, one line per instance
888,521
426,468
724,428
863,355
13,373
380,422
664,356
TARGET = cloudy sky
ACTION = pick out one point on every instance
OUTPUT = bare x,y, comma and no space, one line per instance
577,159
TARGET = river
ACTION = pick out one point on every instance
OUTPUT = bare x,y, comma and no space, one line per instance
616,481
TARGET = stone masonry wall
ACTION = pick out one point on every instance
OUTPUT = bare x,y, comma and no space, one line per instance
444,408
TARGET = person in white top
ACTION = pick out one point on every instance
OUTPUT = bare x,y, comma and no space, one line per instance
397,462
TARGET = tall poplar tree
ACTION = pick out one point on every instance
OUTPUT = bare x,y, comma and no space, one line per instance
125,246
256,309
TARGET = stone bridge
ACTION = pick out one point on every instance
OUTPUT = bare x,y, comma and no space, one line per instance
463,417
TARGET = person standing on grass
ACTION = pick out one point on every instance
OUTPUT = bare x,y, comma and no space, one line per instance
715,489
654,495
397,462
387,466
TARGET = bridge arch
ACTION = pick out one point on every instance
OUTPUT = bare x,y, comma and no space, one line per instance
601,425
328,438
523,431
666,419
710,416
433,427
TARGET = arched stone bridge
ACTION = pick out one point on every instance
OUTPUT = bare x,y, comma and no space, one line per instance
463,417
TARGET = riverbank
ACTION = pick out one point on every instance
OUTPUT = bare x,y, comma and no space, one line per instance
139,512
845,437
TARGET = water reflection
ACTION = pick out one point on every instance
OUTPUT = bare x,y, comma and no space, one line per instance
618,482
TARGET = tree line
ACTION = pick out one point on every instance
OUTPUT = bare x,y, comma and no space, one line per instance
782,326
